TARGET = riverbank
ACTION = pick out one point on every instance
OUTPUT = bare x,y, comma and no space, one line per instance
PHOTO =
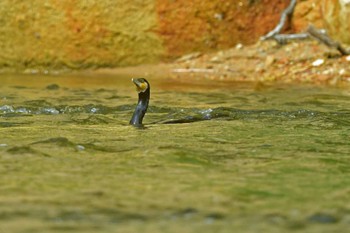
303,62
306,62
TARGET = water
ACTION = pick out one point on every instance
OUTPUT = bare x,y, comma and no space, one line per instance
212,157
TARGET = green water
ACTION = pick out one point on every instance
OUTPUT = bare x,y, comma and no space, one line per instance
267,159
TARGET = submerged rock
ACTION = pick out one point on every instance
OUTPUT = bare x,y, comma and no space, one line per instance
53,87
322,218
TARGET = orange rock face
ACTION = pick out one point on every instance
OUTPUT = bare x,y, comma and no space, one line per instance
204,25
305,13
95,33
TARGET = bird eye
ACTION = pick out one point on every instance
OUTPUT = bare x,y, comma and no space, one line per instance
143,87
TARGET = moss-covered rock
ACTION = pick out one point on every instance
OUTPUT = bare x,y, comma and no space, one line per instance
77,34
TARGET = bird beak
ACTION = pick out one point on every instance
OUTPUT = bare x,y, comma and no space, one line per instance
140,86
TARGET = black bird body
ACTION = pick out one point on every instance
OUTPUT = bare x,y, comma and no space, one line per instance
144,90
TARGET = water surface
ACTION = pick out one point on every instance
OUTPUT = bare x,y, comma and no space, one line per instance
212,157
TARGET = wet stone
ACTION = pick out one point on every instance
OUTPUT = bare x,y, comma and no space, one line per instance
59,141
24,150
322,218
53,87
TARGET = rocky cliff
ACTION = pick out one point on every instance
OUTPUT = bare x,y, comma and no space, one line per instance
90,33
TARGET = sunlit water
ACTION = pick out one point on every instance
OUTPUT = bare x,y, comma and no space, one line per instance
212,157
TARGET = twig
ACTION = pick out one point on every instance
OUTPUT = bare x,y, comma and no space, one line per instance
325,39
287,13
283,38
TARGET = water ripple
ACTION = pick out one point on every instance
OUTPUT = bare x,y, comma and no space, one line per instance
165,115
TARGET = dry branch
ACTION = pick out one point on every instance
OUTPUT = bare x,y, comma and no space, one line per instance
325,39
283,38
287,13
311,31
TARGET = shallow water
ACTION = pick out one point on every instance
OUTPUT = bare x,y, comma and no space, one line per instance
212,157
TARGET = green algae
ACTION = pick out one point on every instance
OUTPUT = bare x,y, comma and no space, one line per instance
273,171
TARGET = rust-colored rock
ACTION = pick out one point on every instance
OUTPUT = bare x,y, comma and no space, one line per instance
305,13
205,25
55,34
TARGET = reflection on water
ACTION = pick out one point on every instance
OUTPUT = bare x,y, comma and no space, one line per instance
212,156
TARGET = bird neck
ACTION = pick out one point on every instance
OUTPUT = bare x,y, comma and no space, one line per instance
141,108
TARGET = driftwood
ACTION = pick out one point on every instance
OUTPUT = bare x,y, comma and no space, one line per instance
311,32
286,14
325,39
284,38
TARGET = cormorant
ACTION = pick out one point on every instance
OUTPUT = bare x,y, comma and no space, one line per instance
143,89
